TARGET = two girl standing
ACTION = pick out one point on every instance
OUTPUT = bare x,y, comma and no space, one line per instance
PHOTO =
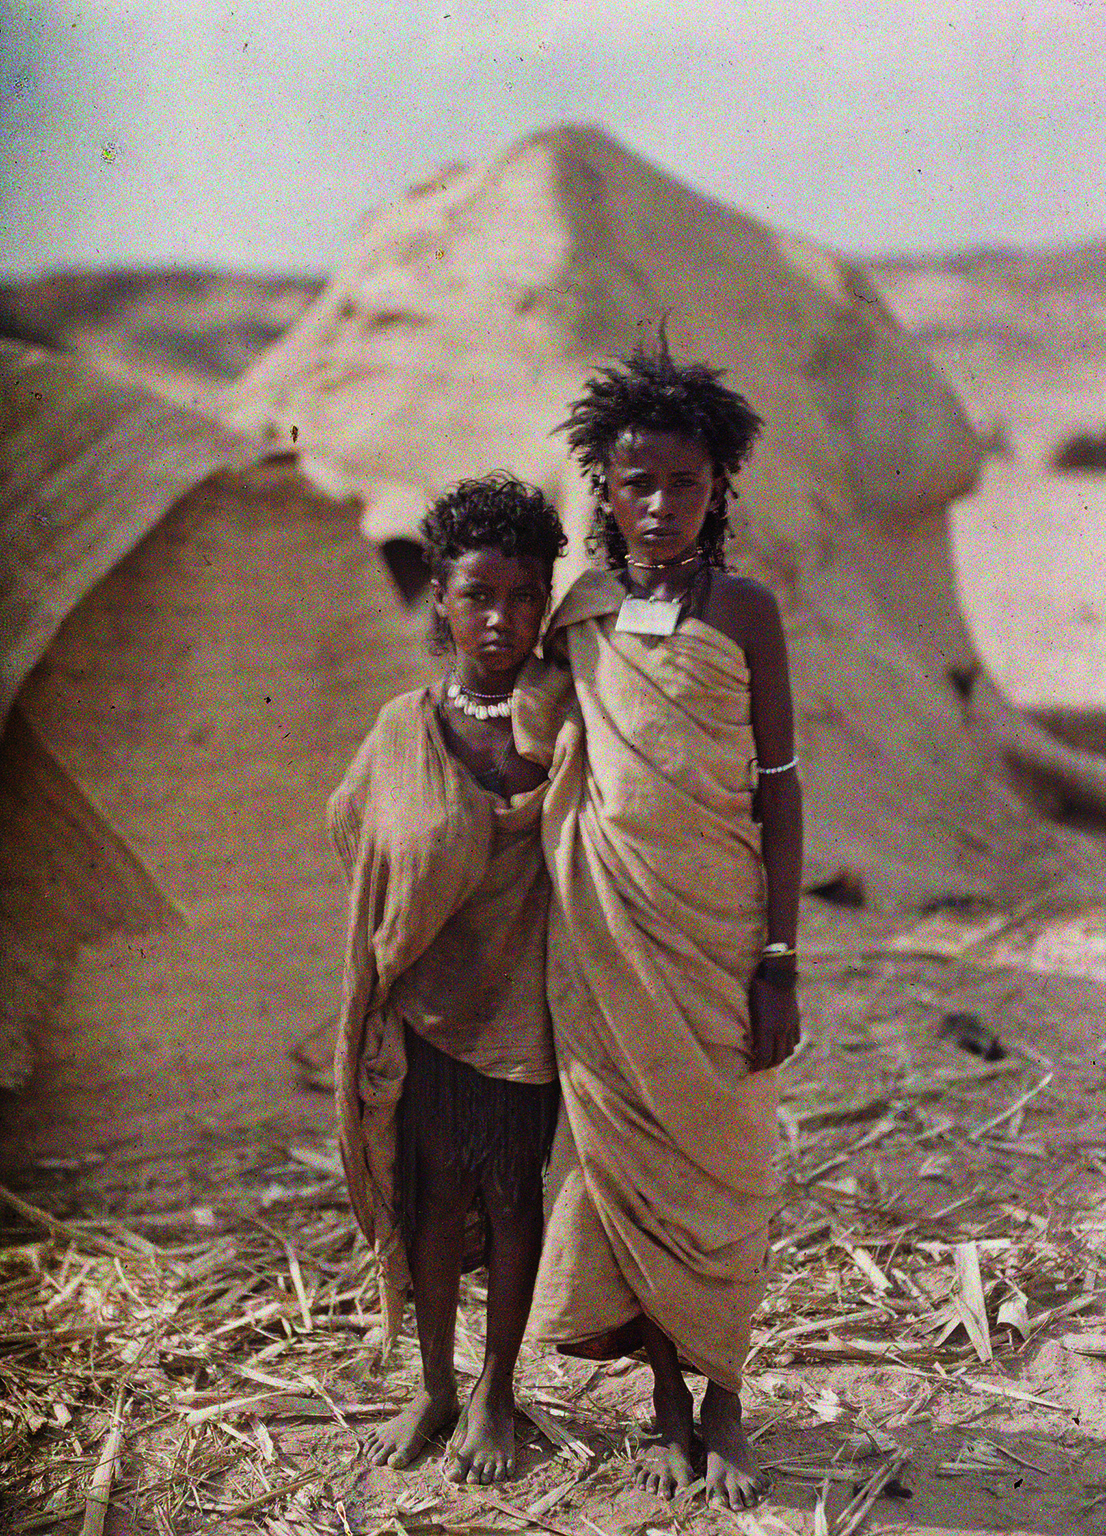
662,787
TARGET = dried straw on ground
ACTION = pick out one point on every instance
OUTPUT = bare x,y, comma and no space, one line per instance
225,1335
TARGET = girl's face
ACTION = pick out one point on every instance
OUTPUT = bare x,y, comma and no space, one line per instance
493,604
660,487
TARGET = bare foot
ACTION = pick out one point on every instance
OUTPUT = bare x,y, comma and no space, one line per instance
483,1446
666,1467
733,1478
397,1442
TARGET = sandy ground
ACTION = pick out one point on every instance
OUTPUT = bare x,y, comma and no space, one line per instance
885,1157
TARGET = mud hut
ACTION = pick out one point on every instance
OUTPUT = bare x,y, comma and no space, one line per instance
194,642
465,317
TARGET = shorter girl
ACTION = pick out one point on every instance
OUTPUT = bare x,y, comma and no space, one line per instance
446,1082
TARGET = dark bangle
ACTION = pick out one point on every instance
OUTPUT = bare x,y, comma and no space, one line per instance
778,971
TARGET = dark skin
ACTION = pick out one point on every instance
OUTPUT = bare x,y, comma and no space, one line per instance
493,605
659,487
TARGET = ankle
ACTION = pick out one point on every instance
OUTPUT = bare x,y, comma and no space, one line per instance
671,1387
720,1400
439,1382
497,1381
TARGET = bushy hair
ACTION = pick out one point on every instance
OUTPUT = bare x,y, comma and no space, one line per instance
496,511
651,392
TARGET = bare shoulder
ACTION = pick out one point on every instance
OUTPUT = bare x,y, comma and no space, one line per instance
744,609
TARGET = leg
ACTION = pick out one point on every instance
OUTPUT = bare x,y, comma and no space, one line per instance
733,1478
444,1196
483,1447
667,1467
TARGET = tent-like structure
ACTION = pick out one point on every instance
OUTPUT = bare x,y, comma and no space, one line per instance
193,643
466,317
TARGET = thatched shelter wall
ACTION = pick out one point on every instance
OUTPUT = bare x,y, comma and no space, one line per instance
67,878
86,468
209,692
194,643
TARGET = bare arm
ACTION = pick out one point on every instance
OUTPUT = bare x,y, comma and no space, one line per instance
779,795
747,612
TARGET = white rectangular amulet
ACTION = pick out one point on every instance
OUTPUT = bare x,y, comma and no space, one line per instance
643,616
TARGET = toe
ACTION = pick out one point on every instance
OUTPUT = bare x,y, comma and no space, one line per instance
741,1493
718,1495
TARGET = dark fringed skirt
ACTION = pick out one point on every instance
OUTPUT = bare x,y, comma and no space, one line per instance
499,1130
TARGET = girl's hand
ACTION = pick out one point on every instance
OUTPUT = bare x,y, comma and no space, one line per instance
773,1020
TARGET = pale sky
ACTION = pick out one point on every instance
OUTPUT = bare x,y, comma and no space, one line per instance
254,136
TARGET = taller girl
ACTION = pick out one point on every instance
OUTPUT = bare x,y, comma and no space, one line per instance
674,843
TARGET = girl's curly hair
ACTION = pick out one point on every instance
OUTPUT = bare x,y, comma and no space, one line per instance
651,392
496,511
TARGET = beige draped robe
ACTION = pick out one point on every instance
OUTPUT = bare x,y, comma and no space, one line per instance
448,891
665,1159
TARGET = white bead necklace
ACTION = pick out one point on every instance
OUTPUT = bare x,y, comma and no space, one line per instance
481,706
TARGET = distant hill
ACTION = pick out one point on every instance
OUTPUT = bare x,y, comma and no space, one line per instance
1031,269
179,331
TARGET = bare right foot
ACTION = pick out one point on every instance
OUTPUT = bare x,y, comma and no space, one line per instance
734,1481
666,1467
397,1442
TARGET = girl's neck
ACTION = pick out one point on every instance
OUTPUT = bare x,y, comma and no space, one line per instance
668,580
475,679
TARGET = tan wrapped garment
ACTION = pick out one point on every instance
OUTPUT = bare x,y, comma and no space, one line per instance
435,860
656,928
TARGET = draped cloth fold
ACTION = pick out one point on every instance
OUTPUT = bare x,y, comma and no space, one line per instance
664,1168
447,886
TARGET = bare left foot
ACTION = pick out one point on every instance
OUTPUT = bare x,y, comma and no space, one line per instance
734,1480
483,1446
665,1468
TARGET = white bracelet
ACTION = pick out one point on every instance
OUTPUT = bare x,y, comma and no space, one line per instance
779,949
783,767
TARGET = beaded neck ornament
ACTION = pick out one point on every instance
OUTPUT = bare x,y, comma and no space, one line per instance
481,706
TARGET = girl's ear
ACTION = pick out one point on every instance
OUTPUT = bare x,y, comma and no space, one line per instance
437,595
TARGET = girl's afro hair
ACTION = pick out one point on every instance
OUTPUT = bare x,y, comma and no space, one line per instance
497,511
651,392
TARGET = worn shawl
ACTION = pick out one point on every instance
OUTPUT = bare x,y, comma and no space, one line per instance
422,842
665,1163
